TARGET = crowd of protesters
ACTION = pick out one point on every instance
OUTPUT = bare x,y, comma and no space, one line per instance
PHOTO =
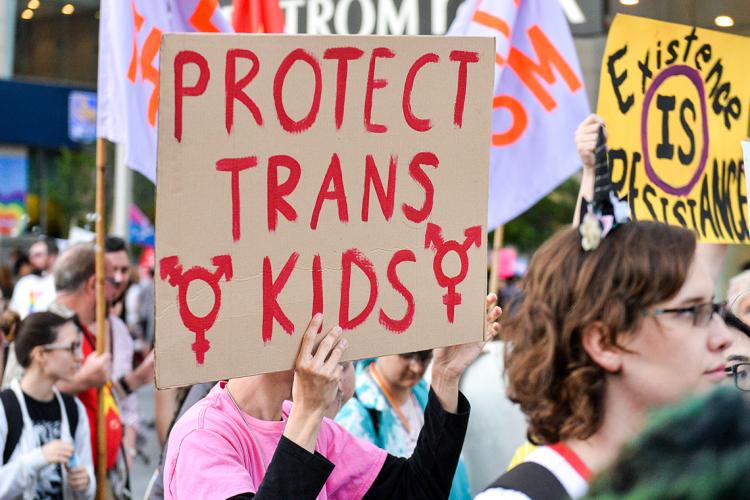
613,323
52,373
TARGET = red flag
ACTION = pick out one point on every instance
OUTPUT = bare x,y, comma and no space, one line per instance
257,16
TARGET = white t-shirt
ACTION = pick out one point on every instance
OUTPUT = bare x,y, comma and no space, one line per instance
33,293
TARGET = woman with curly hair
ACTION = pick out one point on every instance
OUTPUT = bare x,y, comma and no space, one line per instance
600,338
617,318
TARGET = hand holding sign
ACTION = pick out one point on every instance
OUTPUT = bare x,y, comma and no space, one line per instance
585,139
317,370
317,373
451,362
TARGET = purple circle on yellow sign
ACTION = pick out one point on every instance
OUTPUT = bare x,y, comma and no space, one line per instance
695,78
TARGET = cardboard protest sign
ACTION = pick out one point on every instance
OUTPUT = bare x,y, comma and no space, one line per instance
675,100
342,175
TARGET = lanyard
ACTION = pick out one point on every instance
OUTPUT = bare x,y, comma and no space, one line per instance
391,400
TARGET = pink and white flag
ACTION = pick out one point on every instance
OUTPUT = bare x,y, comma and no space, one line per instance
539,99
128,88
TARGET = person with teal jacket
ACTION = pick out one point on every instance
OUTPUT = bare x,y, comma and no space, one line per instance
388,408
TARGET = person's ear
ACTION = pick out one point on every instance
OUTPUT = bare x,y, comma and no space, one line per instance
596,344
91,285
37,353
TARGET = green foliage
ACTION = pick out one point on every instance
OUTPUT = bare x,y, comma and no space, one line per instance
144,195
62,189
72,186
67,178
553,212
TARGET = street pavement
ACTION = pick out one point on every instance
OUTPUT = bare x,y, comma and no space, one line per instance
148,447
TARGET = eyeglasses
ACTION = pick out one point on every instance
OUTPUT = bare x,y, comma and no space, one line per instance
741,374
701,313
421,357
72,348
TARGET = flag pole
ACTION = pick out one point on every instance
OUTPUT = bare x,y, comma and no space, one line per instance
101,310
497,242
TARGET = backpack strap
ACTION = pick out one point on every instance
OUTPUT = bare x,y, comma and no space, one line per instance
13,414
14,419
533,480
71,410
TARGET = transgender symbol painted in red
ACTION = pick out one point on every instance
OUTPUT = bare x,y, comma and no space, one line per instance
433,238
170,269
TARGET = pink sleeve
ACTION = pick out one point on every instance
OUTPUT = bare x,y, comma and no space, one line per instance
205,465
357,462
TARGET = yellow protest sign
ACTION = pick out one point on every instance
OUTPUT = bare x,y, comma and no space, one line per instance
675,100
